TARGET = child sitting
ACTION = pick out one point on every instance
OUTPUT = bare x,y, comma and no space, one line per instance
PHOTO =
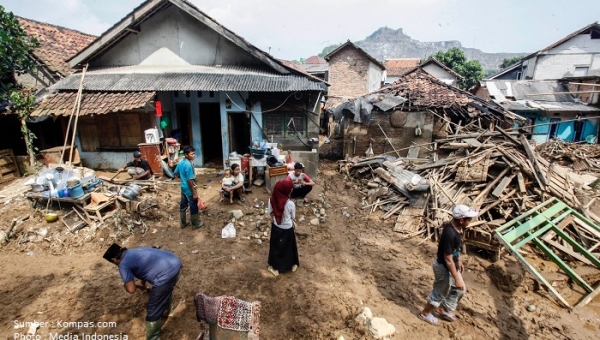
226,183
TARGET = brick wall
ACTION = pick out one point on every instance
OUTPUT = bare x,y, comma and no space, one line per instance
348,73
401,138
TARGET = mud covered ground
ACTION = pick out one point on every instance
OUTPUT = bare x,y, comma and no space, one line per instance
347,263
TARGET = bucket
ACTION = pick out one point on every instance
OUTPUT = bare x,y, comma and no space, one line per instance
152,136
234,160
76,191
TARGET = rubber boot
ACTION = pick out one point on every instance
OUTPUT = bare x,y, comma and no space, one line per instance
196,222
153,330
182,220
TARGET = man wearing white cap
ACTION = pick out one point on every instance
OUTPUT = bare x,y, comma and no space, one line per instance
448,285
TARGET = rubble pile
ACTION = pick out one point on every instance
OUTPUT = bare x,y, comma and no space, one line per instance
581,157
497,172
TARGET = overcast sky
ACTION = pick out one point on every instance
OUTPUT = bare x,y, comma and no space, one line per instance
296,29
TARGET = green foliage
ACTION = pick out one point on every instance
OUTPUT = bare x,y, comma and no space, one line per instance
489,72
509,61
15,49
22,105
328,50
456,59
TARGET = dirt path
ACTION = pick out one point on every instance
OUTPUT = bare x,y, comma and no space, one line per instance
346,263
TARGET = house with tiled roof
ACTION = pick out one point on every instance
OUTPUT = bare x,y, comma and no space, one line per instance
167,65
353,72
57,46
435,68
316,66
394,68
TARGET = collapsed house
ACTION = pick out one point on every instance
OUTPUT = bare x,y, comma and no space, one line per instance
402,119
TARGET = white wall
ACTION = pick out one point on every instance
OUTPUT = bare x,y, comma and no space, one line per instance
560,61
440,74
173,37
374,77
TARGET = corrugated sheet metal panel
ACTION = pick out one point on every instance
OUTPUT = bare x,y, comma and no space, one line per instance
389,102
61,104
548,106
212,80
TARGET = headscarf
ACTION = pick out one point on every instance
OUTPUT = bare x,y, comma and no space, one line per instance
279,197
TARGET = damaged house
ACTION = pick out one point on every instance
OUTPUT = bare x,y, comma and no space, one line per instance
169,65
555,113
402,119
56,45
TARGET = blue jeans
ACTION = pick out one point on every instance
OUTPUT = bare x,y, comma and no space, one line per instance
188,200
444,291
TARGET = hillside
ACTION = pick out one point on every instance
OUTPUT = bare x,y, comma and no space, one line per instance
388,43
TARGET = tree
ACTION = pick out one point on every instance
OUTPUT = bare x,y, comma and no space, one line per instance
328,50
455,59
509,61
16,57
15,50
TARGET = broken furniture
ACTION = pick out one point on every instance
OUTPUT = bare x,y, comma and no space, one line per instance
52,155
9,169
73,221
101,207
540,226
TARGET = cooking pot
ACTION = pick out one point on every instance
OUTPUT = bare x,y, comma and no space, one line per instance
37,187
136,189
129,194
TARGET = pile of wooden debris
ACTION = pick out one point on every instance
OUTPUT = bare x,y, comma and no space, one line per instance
581,157
497,172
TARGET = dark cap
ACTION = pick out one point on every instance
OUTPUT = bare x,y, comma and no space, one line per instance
298,166
188,149
112,252
137,154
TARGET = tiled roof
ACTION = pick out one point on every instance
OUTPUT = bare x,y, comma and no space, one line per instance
397,67
61,104
315,60
190,78
57,44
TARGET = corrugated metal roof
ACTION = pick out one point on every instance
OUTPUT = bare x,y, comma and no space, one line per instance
188,78
524,105
61,104
314,68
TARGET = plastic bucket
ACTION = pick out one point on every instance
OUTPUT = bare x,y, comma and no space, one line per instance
76,191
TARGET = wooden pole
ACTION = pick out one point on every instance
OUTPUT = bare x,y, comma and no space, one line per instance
77,114
79,90
389,141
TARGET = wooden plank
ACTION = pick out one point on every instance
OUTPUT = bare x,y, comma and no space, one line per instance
479,199
502,185
562,225
413,152
521,181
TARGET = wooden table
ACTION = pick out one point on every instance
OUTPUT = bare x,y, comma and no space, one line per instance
35,197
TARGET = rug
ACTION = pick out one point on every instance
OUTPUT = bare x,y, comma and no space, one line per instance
235,314
207,308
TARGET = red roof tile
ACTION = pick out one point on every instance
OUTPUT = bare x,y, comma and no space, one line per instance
57,44
397,67
315,60
61,104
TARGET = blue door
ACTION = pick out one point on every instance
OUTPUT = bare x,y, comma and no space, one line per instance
566,131
589,129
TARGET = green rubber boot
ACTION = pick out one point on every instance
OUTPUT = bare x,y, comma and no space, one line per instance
196,222
153,330
182,220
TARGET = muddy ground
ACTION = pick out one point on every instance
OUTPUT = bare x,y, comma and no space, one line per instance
347,263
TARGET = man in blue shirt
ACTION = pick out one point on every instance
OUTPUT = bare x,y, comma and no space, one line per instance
158,267
189,195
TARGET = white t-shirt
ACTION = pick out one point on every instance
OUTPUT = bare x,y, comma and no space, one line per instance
238,179
289,215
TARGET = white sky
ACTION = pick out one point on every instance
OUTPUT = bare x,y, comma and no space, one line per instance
296,29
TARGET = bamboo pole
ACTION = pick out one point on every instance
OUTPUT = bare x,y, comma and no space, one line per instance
77,114
79,90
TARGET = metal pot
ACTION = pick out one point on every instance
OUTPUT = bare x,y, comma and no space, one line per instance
37,187
136,189
129,194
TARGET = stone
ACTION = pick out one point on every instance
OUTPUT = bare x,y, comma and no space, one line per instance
301,219
364,316
322,211
242,224
531,308
237,214
380,328
259,241
314,221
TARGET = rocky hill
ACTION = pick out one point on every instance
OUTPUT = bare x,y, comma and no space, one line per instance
388,43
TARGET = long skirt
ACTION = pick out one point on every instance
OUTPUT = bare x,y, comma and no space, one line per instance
283,250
